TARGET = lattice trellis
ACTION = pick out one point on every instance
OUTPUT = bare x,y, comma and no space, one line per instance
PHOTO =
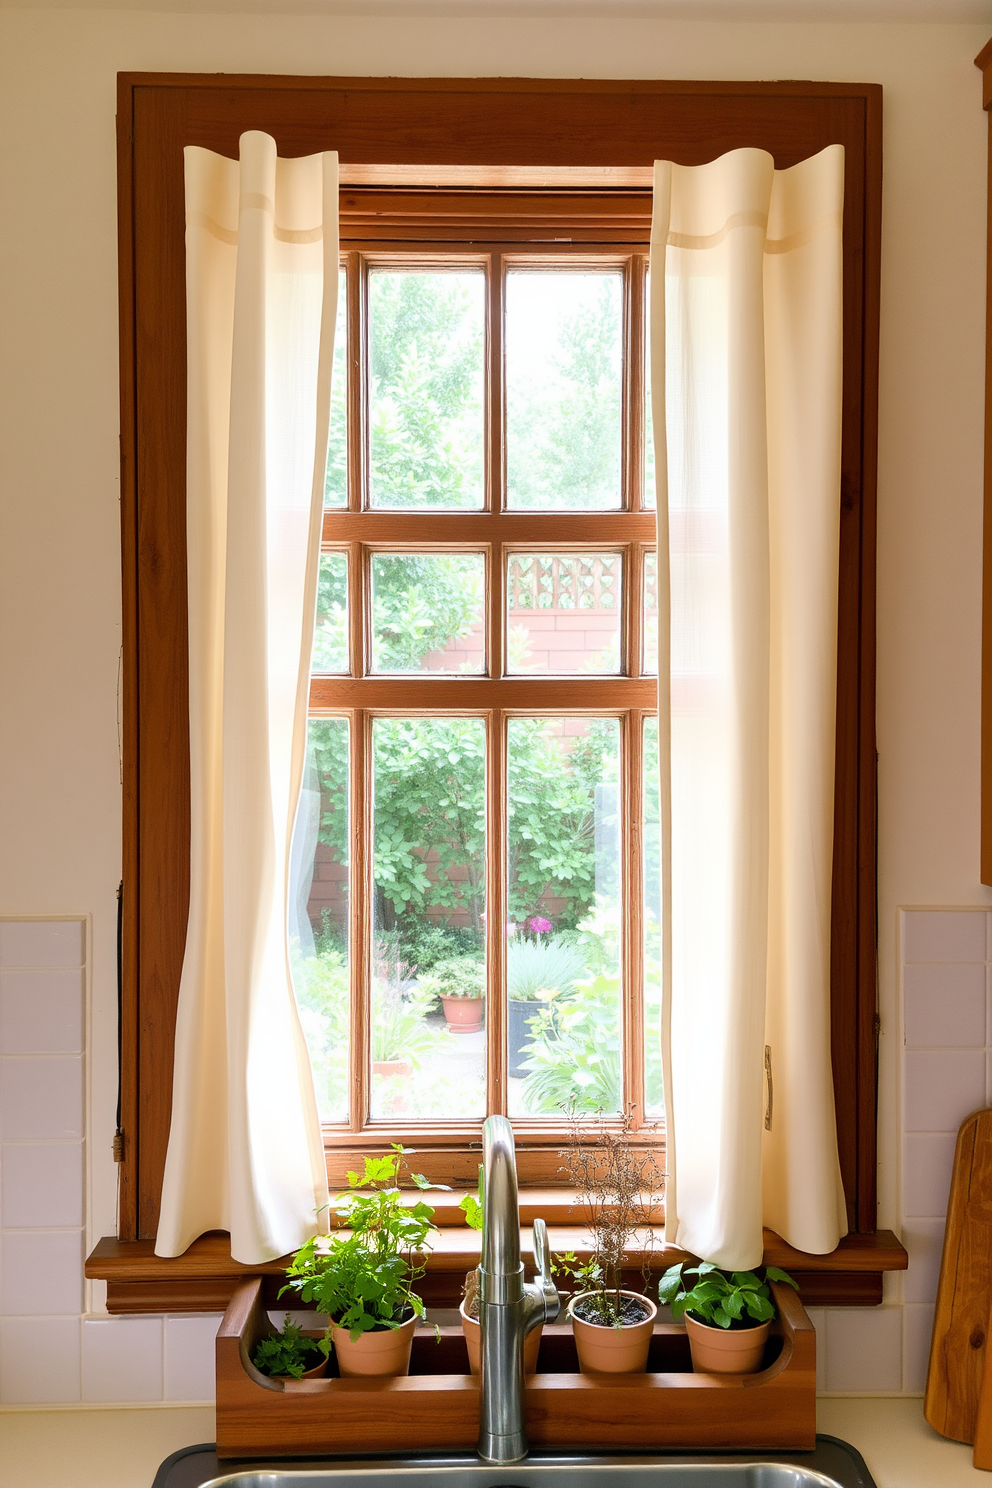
566,581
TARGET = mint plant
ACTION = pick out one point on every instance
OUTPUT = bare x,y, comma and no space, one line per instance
363,1276
738,1300
287,1353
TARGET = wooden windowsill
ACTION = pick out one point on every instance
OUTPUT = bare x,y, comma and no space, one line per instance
204,1278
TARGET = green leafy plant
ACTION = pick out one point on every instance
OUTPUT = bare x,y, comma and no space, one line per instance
460,976
363,1276
539,968
288,1352
738,1299
399,1027
573,1059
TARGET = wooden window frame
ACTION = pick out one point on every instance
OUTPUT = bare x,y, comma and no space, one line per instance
360,695
397,131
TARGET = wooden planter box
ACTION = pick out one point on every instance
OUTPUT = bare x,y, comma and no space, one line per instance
436,1406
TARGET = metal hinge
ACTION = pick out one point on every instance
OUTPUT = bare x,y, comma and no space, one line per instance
118,1146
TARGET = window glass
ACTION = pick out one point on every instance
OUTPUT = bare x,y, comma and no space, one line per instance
428,612
336,473
564,380
650,498
330,635
564,612
318,913
428,1042
654,1098
426,389
563,951
649,601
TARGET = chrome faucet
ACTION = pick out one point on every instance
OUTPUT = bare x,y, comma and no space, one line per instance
508,1309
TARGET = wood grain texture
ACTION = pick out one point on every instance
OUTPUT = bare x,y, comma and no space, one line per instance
205,1277
480,123
666,1407
959,1347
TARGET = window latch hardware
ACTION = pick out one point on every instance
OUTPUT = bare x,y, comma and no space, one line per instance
769,1088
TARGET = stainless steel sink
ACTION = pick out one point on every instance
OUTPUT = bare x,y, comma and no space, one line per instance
833,1464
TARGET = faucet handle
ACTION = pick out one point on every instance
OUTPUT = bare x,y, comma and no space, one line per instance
542,1260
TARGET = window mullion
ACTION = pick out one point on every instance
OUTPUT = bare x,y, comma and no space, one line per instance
496,383
356,362
631,896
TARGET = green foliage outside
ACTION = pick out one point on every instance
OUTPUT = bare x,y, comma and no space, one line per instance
364,1280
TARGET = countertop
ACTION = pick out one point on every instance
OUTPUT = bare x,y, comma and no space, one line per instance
109,1448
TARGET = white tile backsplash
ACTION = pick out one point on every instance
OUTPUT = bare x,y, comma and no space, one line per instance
39,1360
917,1326
864,1349
41,1012
942,1087
41,1098
924,1239
926,1173
189,1356
41,1272
42,942
122,1358
945,1005
41,1185
944,935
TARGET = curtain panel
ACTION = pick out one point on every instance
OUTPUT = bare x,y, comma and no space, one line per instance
245,1151
746,367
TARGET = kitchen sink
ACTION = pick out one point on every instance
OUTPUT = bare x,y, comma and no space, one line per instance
832,1464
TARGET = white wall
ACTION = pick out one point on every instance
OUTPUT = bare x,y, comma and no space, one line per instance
59,542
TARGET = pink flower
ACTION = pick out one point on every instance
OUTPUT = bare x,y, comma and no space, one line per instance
538,925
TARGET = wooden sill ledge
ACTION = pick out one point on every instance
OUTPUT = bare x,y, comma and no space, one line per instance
205,1277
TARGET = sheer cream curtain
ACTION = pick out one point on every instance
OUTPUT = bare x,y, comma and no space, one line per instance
245,1151
746,356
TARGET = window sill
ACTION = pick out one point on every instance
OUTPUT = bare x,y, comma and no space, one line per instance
204,1278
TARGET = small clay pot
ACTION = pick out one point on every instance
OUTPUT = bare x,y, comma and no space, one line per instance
389,1067
382,1352
604,1350
473,1342
462,1014
726,1350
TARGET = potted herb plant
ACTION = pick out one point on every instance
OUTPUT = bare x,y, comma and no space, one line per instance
460,983
290,1354
472,1207
536,971
727,1315
362,1277
400,1040
617,1187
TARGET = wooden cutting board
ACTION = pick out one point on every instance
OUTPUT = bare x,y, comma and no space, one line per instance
964,1296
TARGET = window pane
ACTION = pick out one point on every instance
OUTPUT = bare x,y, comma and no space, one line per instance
330,636
650,612
318,913
654,1098
426,382
563,955
564,367
428,971
563,612
336,473
428,612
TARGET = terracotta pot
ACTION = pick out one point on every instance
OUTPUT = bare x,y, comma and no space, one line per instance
462,1014
379,1353
726,1350
605,1350
392,1067
473,1342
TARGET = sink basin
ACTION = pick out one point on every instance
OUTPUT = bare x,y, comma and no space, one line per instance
832,1464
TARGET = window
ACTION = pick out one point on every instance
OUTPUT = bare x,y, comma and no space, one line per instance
476,923
577,194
